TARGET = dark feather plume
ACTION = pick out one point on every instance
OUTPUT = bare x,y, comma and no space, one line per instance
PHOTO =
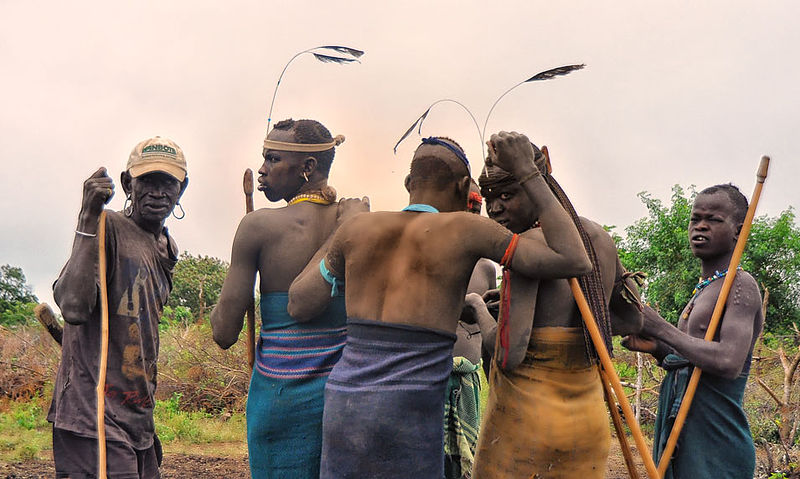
411,128
346,50
552,73
332,59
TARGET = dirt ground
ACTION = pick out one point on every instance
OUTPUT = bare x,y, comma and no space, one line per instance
206,466
175,466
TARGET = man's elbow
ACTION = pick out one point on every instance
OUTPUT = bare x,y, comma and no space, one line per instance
578,265
73,312
729,369
222,336
223,340
300,311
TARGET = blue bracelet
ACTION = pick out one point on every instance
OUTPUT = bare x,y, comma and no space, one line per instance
330,278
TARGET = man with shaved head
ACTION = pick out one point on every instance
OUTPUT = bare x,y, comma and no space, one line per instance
406,274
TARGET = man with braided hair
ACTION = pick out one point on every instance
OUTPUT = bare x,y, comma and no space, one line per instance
293,359
406,274
545,416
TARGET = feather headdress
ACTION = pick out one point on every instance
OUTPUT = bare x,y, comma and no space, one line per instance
347,55
545,75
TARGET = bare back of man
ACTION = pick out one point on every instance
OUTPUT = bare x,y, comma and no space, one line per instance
406,274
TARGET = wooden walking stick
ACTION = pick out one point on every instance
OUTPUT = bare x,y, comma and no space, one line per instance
247,185
716,316
616,384
617,420
44,314
100,392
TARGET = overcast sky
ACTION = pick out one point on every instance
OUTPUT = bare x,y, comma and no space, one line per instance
673,93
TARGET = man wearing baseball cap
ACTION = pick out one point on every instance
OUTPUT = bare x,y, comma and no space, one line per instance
140,255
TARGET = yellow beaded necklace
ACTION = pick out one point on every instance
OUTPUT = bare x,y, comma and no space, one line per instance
316,198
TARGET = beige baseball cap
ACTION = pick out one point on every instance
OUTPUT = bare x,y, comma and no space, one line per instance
157,154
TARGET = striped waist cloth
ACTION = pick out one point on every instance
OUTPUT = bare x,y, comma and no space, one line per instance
296,353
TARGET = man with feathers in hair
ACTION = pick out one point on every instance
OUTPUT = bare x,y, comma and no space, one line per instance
406,275
545,416
293,359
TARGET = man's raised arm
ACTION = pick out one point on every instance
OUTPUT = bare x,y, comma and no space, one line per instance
562,254
76,291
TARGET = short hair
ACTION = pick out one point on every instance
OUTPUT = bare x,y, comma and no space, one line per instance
739,201
311,131
434,170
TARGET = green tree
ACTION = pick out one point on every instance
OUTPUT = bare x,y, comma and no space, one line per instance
16,297
658,244
196,283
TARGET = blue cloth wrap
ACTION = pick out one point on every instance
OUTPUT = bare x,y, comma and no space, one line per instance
330,278
285,400
715,441
384,403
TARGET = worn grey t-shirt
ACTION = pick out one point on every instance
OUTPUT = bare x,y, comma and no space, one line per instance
139,282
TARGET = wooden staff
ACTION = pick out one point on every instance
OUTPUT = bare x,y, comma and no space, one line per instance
616,384
617,420
100,391
247,185
716,316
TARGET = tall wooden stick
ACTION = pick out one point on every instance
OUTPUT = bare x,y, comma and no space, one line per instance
100,391
247,186
716,316
616,384
617,420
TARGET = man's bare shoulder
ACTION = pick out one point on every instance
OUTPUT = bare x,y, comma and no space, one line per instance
601,239
747,283
471,222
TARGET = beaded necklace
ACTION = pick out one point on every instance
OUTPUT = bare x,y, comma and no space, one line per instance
700,286
311,197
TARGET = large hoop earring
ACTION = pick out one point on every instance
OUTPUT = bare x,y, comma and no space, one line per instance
183,213
127,207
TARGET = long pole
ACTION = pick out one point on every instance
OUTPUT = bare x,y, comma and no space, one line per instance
616,384
617,420
716,316
100,391
247,186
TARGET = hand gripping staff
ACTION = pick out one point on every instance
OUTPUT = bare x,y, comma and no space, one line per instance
716,316
247,185
100,391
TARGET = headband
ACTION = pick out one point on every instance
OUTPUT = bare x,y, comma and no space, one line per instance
302,147
493,177
460,154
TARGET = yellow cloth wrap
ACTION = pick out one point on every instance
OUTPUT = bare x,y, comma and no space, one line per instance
547,417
